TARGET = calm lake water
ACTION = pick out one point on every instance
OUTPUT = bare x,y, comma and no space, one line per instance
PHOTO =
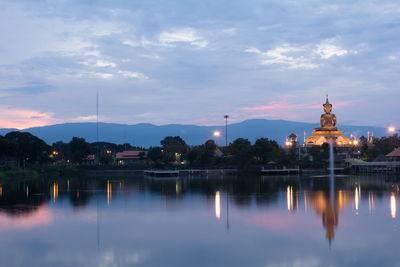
242,221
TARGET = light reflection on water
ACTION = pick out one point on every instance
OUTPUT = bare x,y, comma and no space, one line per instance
247,221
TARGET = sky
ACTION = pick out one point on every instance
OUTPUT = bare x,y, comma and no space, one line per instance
192,62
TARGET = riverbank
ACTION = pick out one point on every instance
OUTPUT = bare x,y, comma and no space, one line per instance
8,176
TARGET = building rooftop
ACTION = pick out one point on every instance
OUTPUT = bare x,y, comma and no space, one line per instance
131,154
395,153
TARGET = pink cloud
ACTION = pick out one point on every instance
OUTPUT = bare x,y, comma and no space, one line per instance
285,110
24,118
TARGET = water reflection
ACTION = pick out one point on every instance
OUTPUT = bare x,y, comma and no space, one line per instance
217,205
356,199
289,197
329,211
371,203
393,208
55,192
262,214
109,192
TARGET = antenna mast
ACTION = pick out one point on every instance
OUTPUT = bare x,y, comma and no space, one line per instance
97,116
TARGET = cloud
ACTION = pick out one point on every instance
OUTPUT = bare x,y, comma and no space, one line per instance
136,75
36,88
89,118
286,55
171,38
105,63
92,74
326,49
182,35
300,56
24,118
285,109
190,58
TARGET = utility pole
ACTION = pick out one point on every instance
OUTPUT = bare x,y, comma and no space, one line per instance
226,129
97,116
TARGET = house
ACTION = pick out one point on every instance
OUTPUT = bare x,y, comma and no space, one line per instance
132,157
394,155
89,160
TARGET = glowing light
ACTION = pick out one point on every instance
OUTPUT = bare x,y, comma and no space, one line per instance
1,190
55,153
289,197
109,193
371,202
305,202
178,187
355,142
55,192
391,129
356,199
393,205
108,152
341,199
217,133
217,205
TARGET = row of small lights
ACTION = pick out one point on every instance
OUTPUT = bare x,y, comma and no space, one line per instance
391,129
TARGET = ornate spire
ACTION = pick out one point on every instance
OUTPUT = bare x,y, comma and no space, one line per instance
327,102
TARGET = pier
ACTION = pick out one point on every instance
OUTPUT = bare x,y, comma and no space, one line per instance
387,167
166,173
293,171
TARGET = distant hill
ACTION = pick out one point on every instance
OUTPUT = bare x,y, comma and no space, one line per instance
145,134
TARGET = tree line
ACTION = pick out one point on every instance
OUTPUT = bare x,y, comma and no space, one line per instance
25,149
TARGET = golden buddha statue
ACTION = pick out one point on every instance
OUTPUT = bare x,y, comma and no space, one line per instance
328,130
328,120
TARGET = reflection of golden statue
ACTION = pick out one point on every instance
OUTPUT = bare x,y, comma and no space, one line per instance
328,120
329,211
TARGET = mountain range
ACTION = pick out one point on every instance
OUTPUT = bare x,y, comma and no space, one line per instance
146,134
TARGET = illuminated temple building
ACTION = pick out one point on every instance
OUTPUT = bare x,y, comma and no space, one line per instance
328,131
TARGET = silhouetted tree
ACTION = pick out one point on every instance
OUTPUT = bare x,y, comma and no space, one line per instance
79,149
173,145
242,152
266,150
155,154
30,149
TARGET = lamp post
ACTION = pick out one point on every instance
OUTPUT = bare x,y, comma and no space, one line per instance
226,129
217,134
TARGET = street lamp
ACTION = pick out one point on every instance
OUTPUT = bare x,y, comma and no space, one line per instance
217,134
391,129
226,129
